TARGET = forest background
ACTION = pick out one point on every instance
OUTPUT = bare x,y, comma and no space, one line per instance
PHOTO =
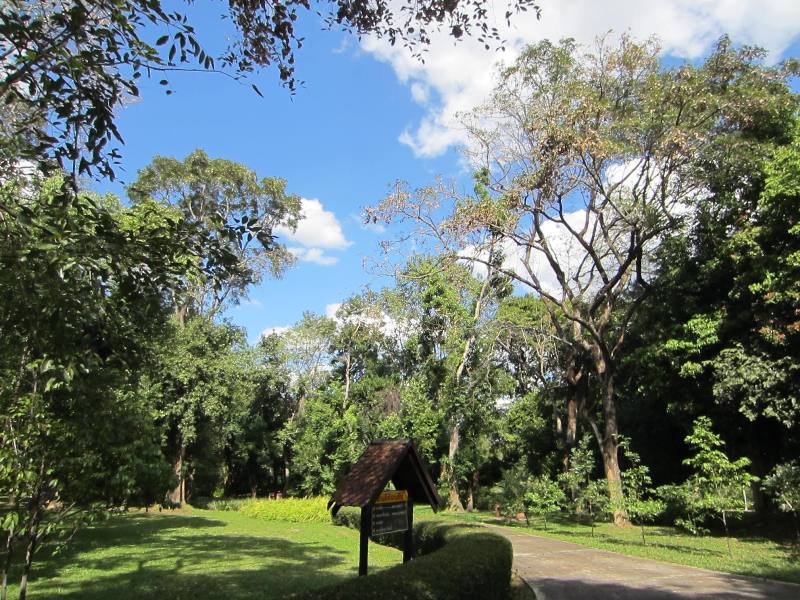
609,317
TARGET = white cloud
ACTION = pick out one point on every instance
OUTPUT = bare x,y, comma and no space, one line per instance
314,255
420,93
331,309
277,330
254,302
317,231
564,246
457,76
318,228
387,324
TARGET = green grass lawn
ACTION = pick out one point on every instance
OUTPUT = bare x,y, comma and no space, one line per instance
753,555
197,554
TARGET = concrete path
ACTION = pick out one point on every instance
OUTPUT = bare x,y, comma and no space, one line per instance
559,570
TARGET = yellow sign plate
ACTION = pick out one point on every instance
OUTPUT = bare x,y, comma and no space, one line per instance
392,496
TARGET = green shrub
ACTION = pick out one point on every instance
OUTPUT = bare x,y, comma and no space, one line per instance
452,562
348,516
294,510
227,504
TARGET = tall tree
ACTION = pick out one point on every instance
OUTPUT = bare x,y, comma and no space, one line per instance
454,308
84,281
591,158
203,386
227,201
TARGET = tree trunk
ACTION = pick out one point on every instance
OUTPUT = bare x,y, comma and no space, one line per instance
572,419
346,378
473,487
727,535
183,488
454,500
30,548
609,448
577,384
7,563
176,496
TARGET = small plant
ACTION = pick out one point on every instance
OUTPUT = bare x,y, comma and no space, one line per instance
715,488
593,500
543,496
581,465
511,490
645,510
783,484
640,502
588,496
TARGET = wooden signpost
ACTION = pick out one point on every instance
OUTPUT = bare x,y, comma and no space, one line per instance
386,511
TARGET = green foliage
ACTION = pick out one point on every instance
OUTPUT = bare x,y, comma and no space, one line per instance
453,562
509,493
719,336
581,466
717,484
641,501
348,516
526,432
223,504
519,492
85,281
783,484
593,501
226,201
204,387
420,419
587,496
327,439
291,510
543,496
757,370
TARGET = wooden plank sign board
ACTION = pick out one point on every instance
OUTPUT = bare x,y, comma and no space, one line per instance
390,512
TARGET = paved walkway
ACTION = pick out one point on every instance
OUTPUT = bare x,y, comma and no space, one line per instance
559,570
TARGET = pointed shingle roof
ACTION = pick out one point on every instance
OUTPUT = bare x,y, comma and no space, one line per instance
383,461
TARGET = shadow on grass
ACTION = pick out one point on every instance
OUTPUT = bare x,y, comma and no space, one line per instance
138,557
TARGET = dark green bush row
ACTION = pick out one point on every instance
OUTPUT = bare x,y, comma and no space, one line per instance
452,562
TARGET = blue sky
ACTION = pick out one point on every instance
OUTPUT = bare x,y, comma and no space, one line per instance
369,114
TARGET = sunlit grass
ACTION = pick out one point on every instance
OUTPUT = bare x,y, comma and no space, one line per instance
196,554
753,555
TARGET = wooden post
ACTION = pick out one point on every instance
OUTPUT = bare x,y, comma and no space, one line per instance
366,526
408,546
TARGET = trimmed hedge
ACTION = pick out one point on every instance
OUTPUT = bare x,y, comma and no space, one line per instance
452,562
